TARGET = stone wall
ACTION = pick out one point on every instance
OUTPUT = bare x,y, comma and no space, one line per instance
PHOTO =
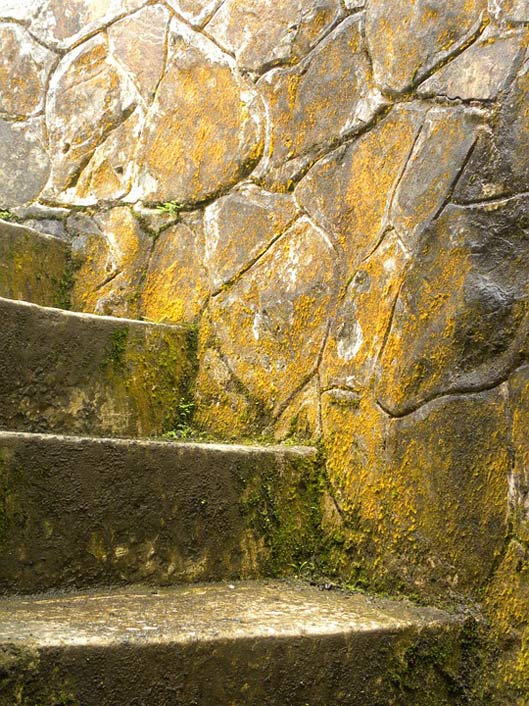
336,193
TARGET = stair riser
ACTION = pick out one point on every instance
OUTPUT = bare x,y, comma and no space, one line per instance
86,513
75,374
351,669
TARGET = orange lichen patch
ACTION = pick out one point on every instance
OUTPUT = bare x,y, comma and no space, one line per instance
519,481
301,420
364,315
272,322
349,192
406,40
204,130
175,287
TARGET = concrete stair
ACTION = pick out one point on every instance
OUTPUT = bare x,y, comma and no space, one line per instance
135,524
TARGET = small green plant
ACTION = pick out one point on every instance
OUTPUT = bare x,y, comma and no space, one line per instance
6,215
171,207
183,429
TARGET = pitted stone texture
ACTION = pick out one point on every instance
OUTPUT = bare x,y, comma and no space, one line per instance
460,321
498,165
24,70
89,98
363,317
24,162
348,193
240,227
64,24
112,254
197,12
482,71
272,32
176,284
203,131
407,40
328,96
271,323
138,43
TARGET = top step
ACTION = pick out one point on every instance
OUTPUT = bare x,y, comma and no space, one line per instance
33,265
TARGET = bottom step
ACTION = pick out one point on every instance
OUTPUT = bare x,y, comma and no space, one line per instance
246,644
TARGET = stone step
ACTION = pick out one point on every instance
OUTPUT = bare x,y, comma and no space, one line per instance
82,512
80,374
33,266
247,644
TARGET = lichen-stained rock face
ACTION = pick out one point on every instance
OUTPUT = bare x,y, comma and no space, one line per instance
240,227
519,480
446,139
64,24
203,131
271,324
348,193
498,165
482,70
89,98
197,12
301,420
175,287
407,40
271,32
363,317
111,254
329,95
460,321
24,70
24,162
509,11
138,43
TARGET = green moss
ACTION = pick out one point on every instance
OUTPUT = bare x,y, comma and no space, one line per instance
115,352
171,207
65,286
6,215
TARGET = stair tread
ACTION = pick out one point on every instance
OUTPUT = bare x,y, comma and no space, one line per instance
203,612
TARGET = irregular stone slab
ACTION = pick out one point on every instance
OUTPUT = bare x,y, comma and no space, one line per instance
447,136
482,71
107,512
348,193
203,133
363,317
197,12
460,321
408,40
498,166
111,253
176,284
33,266
84,374
138,42
327,96
272,33
24,70
24,162
240,227
89,98
272,322
62,25
221,644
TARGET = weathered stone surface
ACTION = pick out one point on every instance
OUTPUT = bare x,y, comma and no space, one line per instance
197,12
446,138
511,11
498,166
271,323
176,284
519,479
482,71
349,192
363,317
271,33
33,266
89,98
460,321
301,420
203,131
138,42
240,227
111,253
62,25
408,40
24,70
329,95
17,9
24,162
